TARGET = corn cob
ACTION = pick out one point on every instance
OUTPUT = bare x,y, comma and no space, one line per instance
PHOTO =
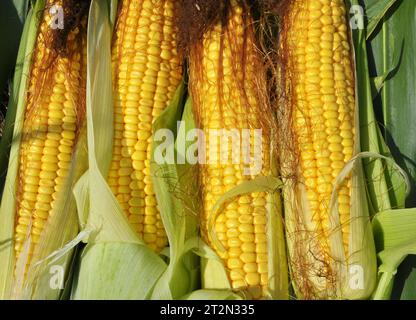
146,73
320,88
225,74
53,117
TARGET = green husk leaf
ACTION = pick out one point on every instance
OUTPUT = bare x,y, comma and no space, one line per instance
385,187
394,230
131,272
378,82
396,104
172,183
113,8
12,17
82,199
394,227
375,12
14,127
398,96
214,274
372,139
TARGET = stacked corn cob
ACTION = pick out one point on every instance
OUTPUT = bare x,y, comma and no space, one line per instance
225,69
146,73
324,118
55,109
320,89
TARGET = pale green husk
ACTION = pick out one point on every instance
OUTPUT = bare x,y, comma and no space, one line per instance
390,47
386,188
387,185
395,236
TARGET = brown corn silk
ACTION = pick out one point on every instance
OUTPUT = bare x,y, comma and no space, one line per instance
146,74
319,121
229,92
54,114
